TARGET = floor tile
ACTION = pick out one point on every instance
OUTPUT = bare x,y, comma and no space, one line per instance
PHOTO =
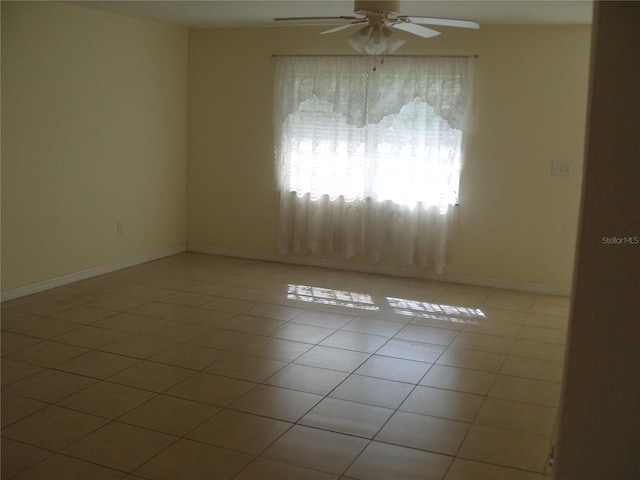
419,333
497,446
245,367
437,402
106,446
278,403
547,321
231,305
138,287
137,346
129,323
263,469
539,350
47,353
188,460
518,416
251,324
485,343
423,432
98,364
397,369
222,339
388,314
153,376
18,457
186,299
275,348
410,350
15,408
275,312
553,299
203,317
298,332
53,428
89,337
188,356
332,358
49,385
317,449
106,399
40,305
550,309
196,365
175,416
526,390
83,314
469,470
541,334
347,417
373,391
11,313
116,303
323,319
532,368
79,294
360,342
471,359
374,326
458,379
12,370
381,461
438,320
501,315
240,431
158,310
464,295
211,389
307,379
493,327
510,300
13,342
61,467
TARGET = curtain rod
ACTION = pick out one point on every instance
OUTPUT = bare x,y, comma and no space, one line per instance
372,56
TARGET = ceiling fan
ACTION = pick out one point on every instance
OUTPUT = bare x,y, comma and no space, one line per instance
379,17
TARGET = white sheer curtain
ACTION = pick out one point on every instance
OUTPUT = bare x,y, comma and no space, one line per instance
368,160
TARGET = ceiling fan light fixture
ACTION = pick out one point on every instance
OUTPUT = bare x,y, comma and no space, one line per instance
375,40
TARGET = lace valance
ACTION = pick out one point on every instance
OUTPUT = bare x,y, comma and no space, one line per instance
365,96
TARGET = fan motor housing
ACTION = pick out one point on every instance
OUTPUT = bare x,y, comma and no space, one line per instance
377,7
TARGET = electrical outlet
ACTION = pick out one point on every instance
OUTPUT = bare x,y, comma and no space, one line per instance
561,169
120,227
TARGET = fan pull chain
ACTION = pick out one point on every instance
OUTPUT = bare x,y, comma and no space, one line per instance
375,58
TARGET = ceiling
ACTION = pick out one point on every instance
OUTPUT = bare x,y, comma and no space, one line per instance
245,13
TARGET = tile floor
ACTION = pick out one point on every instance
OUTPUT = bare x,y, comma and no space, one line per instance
205,367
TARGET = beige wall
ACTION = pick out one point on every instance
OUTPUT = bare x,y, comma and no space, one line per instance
599,431
516,223
93,131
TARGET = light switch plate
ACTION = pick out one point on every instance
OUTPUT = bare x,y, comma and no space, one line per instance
561,169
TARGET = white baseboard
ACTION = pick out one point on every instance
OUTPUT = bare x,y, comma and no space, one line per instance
89,273
385,270
270,257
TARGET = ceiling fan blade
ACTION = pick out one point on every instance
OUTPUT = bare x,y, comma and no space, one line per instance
343,27
419,30
445,22
315,19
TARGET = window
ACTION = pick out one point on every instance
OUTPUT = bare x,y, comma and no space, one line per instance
369,160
